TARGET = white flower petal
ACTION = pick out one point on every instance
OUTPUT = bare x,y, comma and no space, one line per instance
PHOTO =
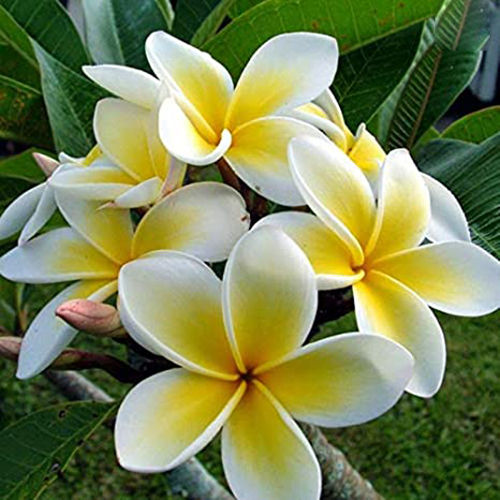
264,453
17,214
130,84
288,70
269,297
387,307
183,140
44,211
448,221
48,335
56,256
454,276
171,416
258,154
204,219
145,193
170,302
343,380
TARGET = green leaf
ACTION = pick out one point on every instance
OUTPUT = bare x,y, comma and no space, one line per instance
18,68
354,23
241,6
189,15
47,23
475,127
212,23
471,172
23,167
22,114
167,11
117,30
12,34
8,316
447,60
35,449
70,100
429,136
367,76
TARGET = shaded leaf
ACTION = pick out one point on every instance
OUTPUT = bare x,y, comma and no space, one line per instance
22,114
471,172
35,449
447,60
241,6
189,15
17,68
8,316
475,127
70,99
211,23
234,45
47,23
117,30
429,136
367,76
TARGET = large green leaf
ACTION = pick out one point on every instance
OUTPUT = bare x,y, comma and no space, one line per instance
471,172
211,23
13,35
354,23
46,22
35,449
189,14
475,127
447,59
17,68
368,75
70,99
241,6
22,114
117,29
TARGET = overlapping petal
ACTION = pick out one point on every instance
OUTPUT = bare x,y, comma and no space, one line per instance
343,380
258,154
335,189
169,417
184,140
143,194
17,214
109,230
131,84
56,256
264,453
94,183
387,307
204,219
404,208
367,153
448,221
48,335
269,297
455,277
121,130
204,82
288,70
170,302
328,255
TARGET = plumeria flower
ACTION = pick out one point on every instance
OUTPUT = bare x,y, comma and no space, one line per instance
242,367
142,171
29,212
207,119
203,219
448,221
374,246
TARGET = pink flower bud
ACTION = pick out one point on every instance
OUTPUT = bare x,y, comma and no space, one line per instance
91,317
47,164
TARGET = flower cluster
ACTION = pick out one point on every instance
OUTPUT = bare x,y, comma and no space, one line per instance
137,227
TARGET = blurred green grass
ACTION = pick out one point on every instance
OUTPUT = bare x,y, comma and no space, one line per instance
446,448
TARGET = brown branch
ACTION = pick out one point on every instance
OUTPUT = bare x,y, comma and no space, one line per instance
340,480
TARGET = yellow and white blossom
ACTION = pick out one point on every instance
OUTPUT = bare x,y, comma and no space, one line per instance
207,118
29,212
374,246
448,221
243,368
204,219
126,130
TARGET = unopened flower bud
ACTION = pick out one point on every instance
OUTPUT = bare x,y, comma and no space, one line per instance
10,347
92,317
46,163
